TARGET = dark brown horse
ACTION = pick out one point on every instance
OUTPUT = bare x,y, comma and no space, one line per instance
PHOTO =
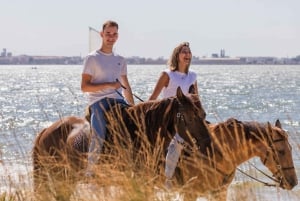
59,149
230,144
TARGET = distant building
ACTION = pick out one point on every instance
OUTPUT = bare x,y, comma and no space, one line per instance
214,55
218,61
4,53
222,53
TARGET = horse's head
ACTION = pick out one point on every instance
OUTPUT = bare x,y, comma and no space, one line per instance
183,114
190,118
277,156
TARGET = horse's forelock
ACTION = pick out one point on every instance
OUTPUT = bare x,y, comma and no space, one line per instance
281,132
270,130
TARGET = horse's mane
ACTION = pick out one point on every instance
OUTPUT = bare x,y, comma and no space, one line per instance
159,116
156,118
251,129
157,113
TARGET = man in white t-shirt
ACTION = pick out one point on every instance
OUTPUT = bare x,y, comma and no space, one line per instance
102,76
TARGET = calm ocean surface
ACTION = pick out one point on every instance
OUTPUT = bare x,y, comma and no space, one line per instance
32,97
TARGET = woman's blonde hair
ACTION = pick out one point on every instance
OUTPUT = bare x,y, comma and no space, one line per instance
174,59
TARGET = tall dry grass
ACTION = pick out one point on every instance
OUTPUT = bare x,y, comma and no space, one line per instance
125,173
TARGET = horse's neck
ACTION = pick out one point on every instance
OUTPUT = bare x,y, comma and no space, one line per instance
235,145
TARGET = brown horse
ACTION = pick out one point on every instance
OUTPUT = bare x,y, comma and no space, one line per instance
230,144
59,149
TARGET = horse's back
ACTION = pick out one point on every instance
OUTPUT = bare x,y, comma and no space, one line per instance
61,133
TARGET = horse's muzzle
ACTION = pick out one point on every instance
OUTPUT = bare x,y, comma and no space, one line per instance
289,184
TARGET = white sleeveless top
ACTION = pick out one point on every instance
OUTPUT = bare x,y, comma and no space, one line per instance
177,79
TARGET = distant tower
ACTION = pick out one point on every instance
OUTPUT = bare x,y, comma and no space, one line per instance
3,53
222,54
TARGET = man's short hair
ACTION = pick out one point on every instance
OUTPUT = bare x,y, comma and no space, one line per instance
110,23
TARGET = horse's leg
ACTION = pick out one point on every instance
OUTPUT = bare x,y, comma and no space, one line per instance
62,183
40,176
40,180
52,178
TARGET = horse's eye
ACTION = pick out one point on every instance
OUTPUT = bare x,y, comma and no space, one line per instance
281,152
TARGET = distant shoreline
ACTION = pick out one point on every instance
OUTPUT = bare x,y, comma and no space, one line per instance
149,64
77,60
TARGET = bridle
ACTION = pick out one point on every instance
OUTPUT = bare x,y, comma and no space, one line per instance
189,142
279,173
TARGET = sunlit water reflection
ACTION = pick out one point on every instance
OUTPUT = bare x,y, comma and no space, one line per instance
32,98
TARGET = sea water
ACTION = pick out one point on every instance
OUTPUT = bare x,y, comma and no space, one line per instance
32,97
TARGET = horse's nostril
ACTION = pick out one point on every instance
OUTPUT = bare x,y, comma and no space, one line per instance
289,182
293,183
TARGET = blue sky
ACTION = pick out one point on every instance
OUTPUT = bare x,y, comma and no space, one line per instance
153,28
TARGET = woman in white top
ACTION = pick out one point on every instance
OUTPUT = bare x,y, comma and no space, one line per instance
178,74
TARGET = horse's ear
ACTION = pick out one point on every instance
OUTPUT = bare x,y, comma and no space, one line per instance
192,89
278,124
269,127
179,92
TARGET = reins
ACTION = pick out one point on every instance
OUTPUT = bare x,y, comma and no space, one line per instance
273,179
128,91
258,180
